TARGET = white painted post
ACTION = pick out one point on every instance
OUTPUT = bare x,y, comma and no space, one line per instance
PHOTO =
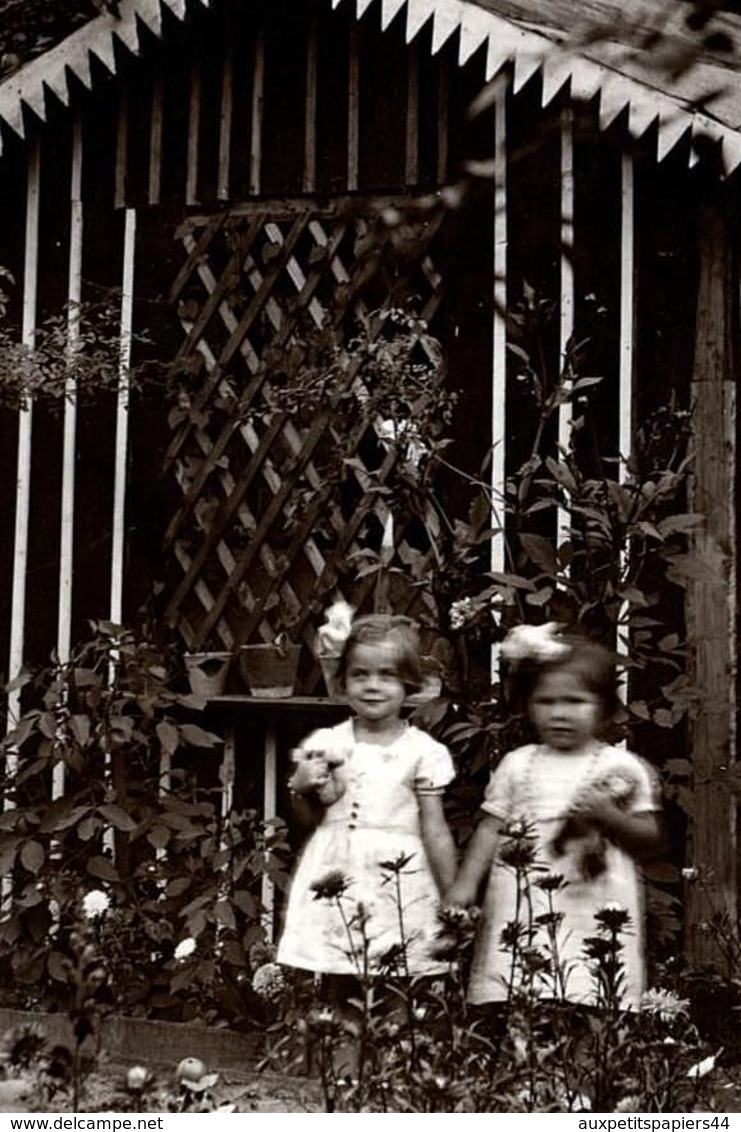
627,352
269,809
66,548
566,306
25,433
499,348
122,420
498,557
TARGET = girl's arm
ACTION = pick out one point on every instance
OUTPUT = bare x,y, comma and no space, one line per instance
477,862
640,834
437,840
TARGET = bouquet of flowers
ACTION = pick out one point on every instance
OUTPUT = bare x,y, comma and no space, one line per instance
619,787
315,775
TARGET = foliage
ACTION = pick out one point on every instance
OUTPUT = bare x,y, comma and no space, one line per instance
419,1047
75,353
140,819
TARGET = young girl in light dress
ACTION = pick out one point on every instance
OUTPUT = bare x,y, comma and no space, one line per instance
377,782
593,811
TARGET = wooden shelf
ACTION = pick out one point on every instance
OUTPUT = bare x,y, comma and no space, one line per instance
277,703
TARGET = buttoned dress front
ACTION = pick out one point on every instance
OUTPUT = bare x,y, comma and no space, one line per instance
376,820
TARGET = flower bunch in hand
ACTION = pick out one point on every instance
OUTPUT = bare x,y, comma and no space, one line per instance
617,788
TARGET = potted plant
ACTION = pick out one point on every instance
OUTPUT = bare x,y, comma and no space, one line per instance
270,668
207,672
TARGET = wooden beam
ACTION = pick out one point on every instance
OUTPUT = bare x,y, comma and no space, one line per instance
155,135
225,118
194,131
258,97
74,294
353,111
627,310
499,329
411,150
626,365
443,114
269,812
566,298
25,434
122,420
122,145
310,112
67,520
711,614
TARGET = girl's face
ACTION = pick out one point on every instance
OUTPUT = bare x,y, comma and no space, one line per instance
564,712
373,688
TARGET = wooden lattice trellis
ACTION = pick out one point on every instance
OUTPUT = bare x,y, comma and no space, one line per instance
259,537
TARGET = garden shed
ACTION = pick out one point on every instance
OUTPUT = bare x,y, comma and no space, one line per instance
225,179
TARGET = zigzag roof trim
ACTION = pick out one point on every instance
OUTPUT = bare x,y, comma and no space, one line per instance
506,42
51,71
530,51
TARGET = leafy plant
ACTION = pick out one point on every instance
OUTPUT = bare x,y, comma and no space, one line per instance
140,820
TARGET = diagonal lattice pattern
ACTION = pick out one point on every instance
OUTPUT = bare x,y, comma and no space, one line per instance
264,532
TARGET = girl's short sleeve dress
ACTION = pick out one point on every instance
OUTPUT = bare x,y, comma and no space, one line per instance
371,835
538,785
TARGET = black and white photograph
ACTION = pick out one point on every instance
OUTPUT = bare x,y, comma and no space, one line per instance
369,561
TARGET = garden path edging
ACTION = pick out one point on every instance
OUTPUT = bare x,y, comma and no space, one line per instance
138,1040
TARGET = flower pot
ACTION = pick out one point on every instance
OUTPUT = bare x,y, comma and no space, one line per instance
207,672
269,670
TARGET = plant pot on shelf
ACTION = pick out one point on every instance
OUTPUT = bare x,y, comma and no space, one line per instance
270,670
207,672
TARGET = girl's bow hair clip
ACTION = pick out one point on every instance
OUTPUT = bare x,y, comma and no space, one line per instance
534,642
332,635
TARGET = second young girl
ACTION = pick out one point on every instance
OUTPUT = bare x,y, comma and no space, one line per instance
591,808
377,782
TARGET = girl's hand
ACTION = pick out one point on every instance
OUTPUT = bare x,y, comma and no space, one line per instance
311,773
594,807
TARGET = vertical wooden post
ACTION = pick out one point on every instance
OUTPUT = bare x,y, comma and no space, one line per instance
353,111
411,145
499,343
269,810
627,352
155,135
711,623
66,547
627,311
194,132
499,329
443,114
566,304
122,420
116,762
225,118
312,44
25,432
122,145
258,94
